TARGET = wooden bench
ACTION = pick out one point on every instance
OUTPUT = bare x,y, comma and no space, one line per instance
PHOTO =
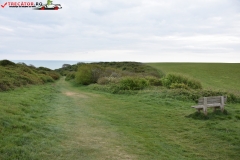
210,102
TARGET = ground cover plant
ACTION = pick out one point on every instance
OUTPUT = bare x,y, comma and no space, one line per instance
114,80
16,75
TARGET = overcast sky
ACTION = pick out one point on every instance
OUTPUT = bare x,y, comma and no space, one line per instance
124,30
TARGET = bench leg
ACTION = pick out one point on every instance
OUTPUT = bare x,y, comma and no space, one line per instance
205,105
222,108
199,110
222,103
205,112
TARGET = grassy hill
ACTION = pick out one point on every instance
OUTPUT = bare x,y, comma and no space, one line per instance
223,76
16,75
133,67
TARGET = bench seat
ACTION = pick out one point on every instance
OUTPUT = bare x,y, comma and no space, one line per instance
210,102
208,105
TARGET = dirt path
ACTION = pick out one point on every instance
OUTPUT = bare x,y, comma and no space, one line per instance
88,136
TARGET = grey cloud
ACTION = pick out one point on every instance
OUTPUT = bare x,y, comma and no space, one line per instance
142,26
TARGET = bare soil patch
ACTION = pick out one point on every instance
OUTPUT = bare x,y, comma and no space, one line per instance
74,94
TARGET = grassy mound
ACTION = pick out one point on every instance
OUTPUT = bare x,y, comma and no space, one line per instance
130,77
16,75
126,67
116,77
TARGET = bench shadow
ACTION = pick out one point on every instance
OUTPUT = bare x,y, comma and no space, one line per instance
216,115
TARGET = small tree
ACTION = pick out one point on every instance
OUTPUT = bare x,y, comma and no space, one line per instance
88,73
84,75
65,65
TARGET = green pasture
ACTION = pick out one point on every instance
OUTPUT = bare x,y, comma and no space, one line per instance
218,76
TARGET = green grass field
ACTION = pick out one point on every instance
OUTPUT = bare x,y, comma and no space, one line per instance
218,76
65,121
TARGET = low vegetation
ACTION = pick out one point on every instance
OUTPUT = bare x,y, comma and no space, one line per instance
127,67
122,79
149,113
180,81
17,75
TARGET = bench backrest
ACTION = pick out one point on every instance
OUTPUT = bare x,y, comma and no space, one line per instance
211,100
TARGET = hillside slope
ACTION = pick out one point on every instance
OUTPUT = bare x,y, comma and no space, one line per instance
223,76
16,75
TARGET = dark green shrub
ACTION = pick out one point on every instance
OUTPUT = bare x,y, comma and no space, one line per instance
88,74
70,76
44,69
178,85
180,79
132,67
154,81
103,80
6,63
84,75
97,72
133,83
42,72
54,75
27,69
111,72
3,87
12,76
27,79
108,80
46,78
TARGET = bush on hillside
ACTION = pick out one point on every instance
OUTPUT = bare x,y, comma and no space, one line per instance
133,67
44,69
129,68
154,81
180,81
108,80
46,78
133,83
64,71
6,63
70,76
54,75
88,74
12,76
178,85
